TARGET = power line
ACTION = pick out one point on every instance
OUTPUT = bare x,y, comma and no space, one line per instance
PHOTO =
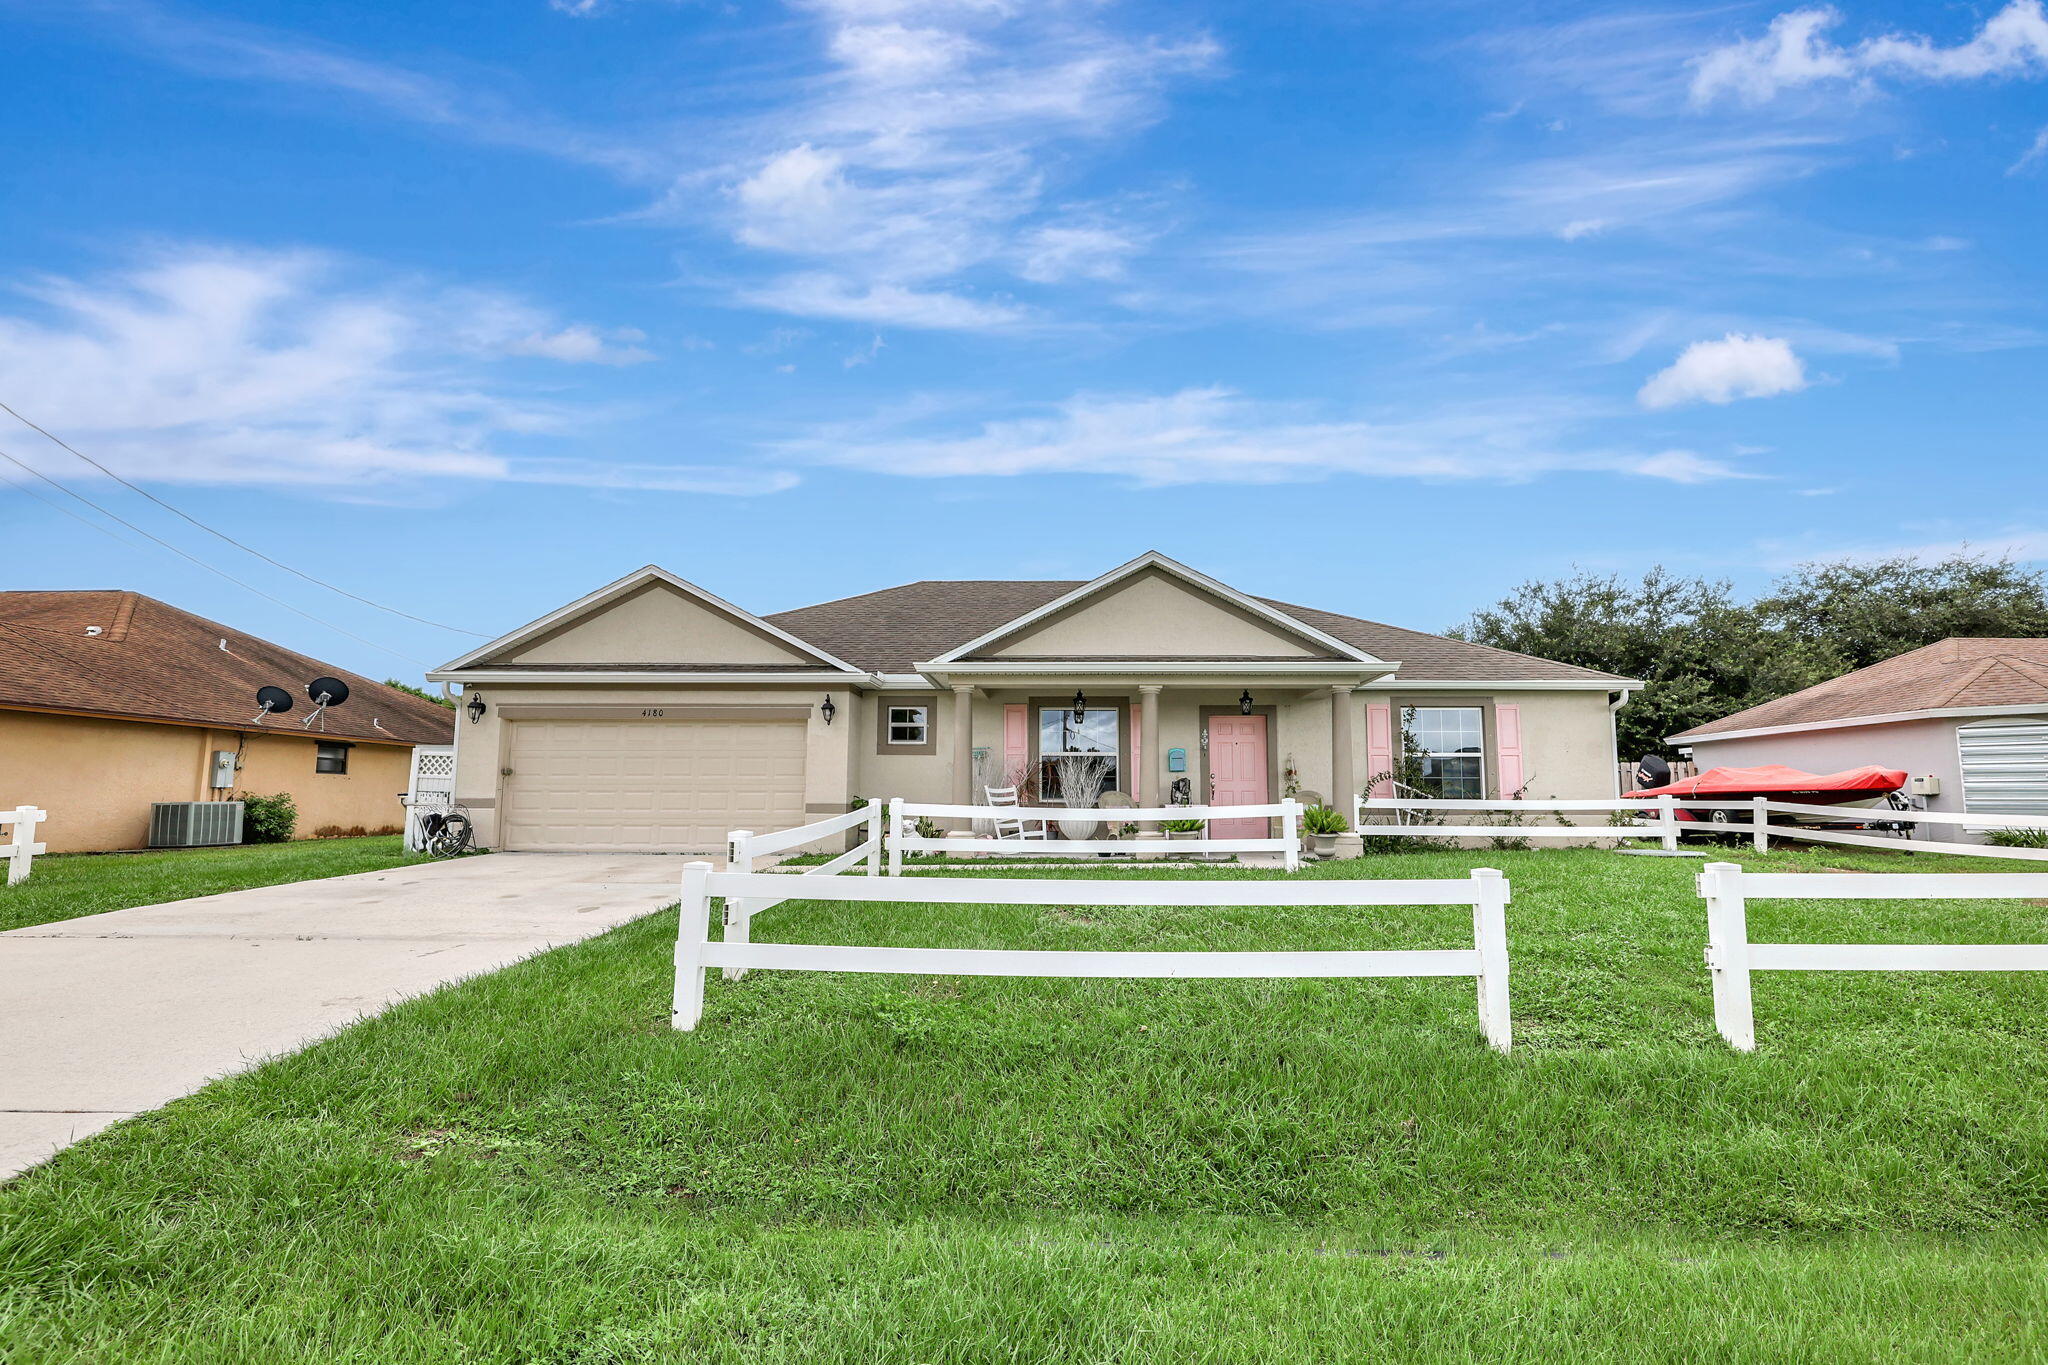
223,573
53,503
222,535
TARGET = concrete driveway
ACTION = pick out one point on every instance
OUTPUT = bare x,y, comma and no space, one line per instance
106,1016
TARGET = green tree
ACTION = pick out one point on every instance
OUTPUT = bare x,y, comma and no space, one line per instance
1704,654
420,692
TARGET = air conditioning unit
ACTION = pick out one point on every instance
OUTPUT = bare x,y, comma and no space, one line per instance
194,824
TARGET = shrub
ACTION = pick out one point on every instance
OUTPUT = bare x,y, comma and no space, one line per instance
2018,838
1182,826
1323,820
267,819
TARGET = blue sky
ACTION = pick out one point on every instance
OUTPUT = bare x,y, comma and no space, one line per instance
476,305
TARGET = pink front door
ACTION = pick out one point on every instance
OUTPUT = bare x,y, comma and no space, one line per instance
1237,773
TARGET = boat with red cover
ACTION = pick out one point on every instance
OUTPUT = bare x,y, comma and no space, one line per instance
1851,787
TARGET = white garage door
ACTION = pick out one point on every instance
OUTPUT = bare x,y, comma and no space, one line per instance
654,786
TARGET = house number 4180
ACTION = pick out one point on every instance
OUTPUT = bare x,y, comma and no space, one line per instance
654,711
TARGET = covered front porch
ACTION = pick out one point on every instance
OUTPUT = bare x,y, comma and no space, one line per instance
1162,734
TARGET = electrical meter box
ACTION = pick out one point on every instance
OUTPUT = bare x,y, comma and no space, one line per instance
1176,760
1925,786
223,769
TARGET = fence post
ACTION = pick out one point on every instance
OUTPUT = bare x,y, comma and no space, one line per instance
1760,817
874,840
895,836
739,911
693,931
1290,830
1490,937
1728,953
21,849
1667,823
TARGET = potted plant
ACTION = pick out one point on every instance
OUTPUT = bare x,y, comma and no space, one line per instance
1324,824
1080,779
1183,829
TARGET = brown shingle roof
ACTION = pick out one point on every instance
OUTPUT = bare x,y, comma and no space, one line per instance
894,629
152,661
1953,674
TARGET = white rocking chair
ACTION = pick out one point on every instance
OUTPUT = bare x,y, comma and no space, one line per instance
1011,827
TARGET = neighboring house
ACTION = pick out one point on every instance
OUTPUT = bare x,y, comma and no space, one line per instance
651,715
1966,718
110,701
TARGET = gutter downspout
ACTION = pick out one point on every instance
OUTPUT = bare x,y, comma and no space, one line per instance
1615,701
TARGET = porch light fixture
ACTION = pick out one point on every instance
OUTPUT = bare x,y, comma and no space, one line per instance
1244,703
828,710
1080,708
475,707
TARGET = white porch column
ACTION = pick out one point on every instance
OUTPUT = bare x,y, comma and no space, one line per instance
1150,760
1343,775
963,747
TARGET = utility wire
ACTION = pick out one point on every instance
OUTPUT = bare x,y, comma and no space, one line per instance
114,536
222,535
223,573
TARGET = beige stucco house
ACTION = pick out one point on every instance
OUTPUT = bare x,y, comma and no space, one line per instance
651,715
111,701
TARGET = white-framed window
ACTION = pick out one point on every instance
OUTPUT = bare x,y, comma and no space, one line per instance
1094,735
1447,750
908,725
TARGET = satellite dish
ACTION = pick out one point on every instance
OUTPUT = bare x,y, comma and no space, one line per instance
1652,771
327,691
272,701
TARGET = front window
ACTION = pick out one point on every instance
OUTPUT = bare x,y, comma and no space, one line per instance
909,724
1083,751
1446,750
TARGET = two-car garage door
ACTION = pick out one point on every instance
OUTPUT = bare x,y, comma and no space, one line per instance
649,786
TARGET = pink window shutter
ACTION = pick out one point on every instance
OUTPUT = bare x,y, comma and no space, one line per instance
1507,722
1379,746
1016,743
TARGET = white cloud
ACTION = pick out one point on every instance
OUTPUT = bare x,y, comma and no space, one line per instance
1794,52
820,295
1214,435
1722,371
923,153
209,365
584,345
2032,155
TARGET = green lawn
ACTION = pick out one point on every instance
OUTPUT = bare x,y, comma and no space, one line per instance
66,886
533,1167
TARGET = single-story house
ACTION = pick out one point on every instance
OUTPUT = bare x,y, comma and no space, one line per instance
1967,719
111,701
652,716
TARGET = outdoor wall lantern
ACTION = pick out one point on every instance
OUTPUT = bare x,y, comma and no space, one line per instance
1244,703
1080,708
475,707
828,710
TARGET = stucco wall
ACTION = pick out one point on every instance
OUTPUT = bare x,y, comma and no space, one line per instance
1153,615
97,778
657,624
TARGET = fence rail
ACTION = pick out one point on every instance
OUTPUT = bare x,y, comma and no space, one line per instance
1658,818
904,839
1731,957
1486,891
21,847
746,847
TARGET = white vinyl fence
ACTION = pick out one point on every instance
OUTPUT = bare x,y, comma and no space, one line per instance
1731,957
1486,891
747,847
21,846
1657,818
903,837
